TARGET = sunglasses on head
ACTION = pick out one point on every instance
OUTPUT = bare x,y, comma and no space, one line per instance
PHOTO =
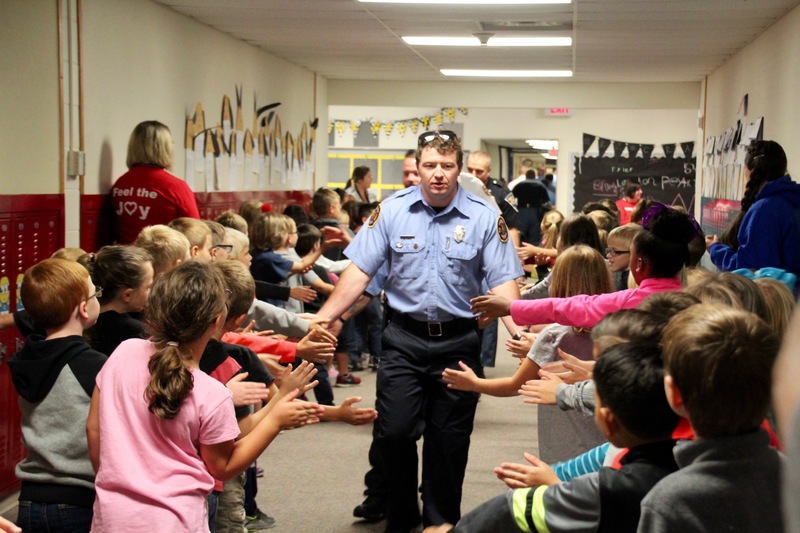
428,136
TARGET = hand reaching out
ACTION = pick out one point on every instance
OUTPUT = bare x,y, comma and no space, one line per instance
520,348
491,305
519,476
250,328
464,379
298,378
571,369
356,416
273,364
310,349
325,331
304,294
541,391
246,392
291,413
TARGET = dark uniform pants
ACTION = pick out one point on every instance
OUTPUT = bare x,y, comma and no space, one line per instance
413,401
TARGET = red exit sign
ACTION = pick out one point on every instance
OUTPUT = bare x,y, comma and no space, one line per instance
558,111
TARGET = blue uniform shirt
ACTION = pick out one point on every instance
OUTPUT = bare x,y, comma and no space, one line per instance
436,261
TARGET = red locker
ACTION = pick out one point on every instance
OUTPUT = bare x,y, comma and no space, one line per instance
31,229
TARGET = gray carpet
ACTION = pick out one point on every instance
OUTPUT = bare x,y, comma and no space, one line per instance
314,475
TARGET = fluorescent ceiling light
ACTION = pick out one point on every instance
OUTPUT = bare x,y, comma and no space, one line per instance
486,2
493,41
542,144
530,41
508,73
442,41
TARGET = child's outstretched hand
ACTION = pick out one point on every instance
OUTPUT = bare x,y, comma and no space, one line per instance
519,476
291,413
520,348
464,379
356,416
313,347
491,305
298,378
303,293
570,369
246,392
541,391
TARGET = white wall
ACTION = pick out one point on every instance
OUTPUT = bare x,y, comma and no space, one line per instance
29,101
768,70
144,61
650,126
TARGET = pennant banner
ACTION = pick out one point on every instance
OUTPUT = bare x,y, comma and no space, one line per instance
587,142
602,146
401,126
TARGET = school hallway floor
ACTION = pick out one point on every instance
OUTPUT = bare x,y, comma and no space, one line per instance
318,471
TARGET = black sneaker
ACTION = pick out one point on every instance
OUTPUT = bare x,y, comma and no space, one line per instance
258,522
372,509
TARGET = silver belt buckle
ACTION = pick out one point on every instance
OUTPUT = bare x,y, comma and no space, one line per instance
434,329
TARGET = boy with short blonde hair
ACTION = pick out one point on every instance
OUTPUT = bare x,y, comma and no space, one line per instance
167,247
618,252
199,235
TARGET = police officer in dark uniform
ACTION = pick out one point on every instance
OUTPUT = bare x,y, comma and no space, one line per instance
441,243
479,164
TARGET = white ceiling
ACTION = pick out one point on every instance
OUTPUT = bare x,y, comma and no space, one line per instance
613,40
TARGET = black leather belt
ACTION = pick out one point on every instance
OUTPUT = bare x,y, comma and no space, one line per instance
419,328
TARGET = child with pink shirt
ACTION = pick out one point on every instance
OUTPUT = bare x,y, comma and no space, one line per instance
159,429
658,253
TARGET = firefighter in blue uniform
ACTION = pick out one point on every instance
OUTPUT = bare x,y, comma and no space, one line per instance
440,243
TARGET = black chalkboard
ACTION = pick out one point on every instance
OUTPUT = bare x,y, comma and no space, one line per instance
670,182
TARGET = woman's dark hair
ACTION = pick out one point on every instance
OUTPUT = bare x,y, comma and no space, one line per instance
766,161
296,213
579,229
631,186
664,243
358,175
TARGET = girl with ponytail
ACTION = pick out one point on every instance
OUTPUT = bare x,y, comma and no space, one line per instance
767,231
658,253
159,429
126,274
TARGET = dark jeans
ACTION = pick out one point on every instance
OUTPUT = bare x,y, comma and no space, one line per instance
213,498
53,517
414,402
489,344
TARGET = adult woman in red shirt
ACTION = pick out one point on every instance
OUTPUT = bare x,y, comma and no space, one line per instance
148,193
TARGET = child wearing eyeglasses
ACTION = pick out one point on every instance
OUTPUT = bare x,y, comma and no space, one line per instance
126,274
55,376
618,253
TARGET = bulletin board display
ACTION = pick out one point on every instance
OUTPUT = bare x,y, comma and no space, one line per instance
667,180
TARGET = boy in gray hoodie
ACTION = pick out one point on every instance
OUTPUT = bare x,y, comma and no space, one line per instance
55,377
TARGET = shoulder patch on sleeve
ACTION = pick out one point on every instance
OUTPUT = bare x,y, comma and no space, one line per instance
373,218
502,229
